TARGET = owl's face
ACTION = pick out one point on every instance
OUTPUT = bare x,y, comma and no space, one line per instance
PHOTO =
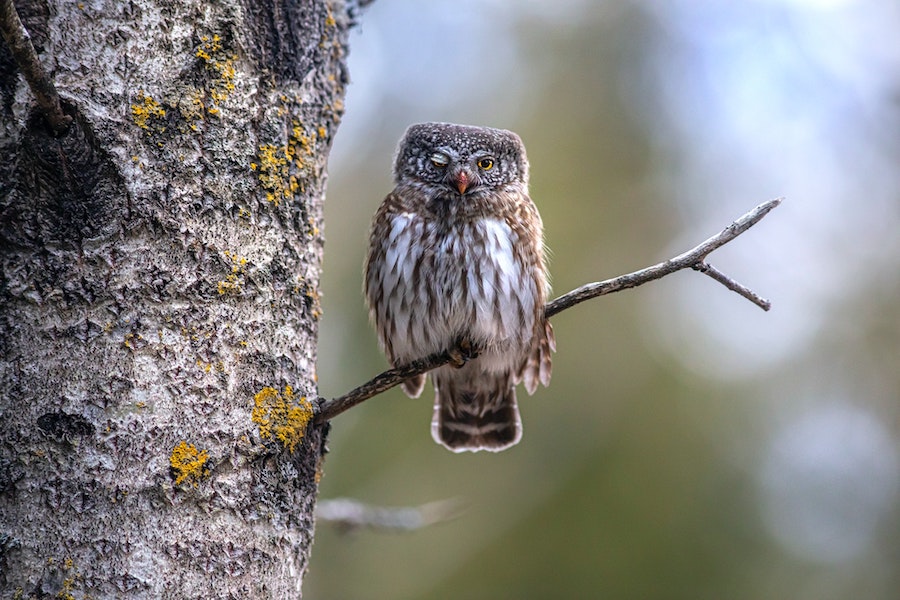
460,160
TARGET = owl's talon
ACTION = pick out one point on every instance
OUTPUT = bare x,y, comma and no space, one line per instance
457,360
463,352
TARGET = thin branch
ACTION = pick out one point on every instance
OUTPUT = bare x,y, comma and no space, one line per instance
695,258
349,514
328,409
731,284
22,50
687,260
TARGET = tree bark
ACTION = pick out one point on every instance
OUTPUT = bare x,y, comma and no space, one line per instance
159,274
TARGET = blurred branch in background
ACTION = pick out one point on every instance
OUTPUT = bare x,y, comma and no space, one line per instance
694,258
349,515
22,50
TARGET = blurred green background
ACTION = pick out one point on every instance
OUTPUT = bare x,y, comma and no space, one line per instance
690,445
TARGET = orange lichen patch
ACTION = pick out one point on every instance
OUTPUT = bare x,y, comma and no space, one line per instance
312,295
147,113
320,468
273,167
71,580
232,284
188,463
313,228
208,367
329,34
281,415
221,65
283,168
208,47
65,592
133,341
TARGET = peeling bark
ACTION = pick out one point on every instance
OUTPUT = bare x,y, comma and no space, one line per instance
159,275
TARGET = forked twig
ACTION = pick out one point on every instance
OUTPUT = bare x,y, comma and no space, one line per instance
695,258
692,259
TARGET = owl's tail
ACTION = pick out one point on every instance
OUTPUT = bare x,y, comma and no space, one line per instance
475,414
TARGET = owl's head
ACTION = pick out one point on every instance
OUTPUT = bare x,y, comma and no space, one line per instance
461,159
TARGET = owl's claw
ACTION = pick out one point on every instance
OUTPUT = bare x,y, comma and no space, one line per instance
463,352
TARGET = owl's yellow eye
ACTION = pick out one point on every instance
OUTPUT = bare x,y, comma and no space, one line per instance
439,160
486,164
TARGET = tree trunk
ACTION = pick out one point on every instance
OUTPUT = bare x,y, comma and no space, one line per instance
159,269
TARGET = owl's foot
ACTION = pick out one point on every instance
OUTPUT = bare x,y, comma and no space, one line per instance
464,351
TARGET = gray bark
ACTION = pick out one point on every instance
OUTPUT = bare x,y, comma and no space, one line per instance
159,268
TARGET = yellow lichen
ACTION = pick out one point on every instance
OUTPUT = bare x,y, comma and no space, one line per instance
318,476
221,65
283,168
65,593
188,463
232,284
281,415
70,582
191,106
147,113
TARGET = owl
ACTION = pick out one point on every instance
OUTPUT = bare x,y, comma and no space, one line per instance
456,261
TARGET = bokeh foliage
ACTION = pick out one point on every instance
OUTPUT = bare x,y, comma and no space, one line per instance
683,426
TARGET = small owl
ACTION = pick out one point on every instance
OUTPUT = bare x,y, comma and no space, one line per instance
456,261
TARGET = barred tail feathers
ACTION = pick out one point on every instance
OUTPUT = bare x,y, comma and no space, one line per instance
472,415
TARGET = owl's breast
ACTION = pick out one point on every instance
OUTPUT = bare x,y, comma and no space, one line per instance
445,281
485,291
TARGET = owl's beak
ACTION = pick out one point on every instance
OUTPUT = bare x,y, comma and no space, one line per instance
462,182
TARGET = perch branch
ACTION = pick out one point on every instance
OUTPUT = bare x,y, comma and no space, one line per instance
695,258
329,409
19,42
349,515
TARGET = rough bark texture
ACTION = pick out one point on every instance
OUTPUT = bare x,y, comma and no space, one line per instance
159,268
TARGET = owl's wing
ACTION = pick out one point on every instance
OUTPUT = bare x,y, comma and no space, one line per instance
389,246
538,366
413,386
